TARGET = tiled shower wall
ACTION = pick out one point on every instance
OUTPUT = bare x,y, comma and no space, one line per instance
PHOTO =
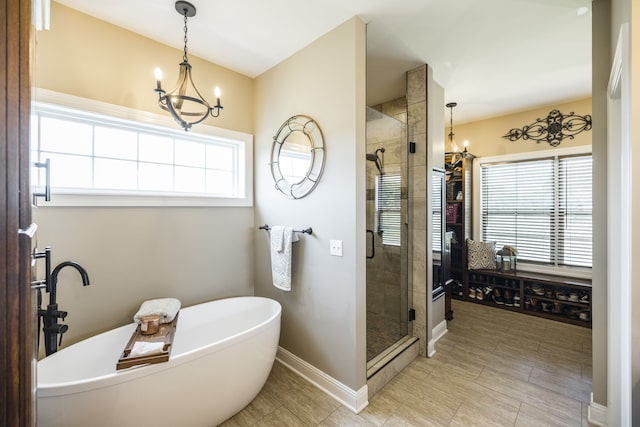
412,111
417,132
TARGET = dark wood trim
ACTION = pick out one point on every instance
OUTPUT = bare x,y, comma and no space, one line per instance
17,321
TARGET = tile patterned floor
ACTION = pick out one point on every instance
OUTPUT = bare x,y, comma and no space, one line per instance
493,368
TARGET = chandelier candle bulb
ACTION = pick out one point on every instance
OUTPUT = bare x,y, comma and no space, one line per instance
158,75
217,94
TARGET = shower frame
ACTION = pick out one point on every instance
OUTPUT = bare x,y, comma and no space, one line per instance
395,150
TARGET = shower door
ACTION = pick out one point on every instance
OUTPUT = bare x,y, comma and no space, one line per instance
387,243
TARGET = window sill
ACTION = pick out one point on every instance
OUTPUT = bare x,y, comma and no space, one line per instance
140,200
575,273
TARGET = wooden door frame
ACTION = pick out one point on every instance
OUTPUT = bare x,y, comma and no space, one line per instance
17,321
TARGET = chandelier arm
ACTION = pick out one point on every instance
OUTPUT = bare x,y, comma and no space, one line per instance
180,116
217,109
181,87
195,89
192,99
185,125
161,95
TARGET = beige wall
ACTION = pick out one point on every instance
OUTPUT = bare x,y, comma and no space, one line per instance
324,315
133,254
601,28
627,11
485,136
90,58
435,159
634,19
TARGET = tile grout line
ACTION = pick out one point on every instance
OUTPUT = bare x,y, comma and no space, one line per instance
455,413
518,414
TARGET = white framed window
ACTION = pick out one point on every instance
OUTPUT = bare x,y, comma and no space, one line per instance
541,203
98,157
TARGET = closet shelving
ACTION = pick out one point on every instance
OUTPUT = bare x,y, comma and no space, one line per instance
458,167
553,297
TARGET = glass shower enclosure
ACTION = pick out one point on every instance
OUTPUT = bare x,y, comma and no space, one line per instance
387,234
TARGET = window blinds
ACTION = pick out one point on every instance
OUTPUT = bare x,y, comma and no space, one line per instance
542,207
388,204
436,214
575,210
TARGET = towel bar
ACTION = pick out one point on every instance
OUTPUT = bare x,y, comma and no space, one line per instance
305,231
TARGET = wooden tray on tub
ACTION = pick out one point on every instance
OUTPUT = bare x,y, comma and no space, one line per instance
165,335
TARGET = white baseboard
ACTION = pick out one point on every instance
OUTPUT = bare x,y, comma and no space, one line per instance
356,401
597,414
431,348
438,332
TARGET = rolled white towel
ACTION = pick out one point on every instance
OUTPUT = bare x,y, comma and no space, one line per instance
166,308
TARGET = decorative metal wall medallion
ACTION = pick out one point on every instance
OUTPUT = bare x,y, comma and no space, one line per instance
553,129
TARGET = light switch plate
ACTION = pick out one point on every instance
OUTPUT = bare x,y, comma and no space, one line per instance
335,247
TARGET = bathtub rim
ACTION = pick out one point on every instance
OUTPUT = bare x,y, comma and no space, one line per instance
133,373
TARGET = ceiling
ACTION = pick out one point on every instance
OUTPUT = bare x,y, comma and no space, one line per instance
491,56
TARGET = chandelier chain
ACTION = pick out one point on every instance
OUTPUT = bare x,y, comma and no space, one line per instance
184,57
185,103
451,122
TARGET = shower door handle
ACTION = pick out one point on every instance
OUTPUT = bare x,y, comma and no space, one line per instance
373,244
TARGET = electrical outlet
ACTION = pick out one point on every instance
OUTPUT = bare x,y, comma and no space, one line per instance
335,247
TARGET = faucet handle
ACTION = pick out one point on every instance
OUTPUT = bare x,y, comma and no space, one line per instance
60,314
39,284
61,330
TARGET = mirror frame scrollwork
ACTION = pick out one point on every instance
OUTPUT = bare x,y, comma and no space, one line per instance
311,130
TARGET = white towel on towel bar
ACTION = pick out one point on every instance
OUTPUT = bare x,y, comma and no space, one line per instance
281,240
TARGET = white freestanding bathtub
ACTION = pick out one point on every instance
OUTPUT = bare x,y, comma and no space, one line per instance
222,354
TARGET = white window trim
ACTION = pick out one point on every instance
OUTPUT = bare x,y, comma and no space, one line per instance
53,99
577,272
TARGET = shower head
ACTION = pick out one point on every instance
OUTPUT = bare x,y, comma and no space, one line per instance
373,157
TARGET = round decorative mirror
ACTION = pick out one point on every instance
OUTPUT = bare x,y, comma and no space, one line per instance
297,156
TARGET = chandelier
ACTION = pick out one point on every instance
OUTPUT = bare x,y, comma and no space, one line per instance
184,102
451,146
